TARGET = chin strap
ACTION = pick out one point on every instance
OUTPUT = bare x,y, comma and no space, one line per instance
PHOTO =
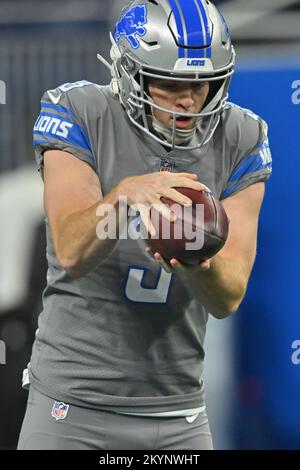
181,137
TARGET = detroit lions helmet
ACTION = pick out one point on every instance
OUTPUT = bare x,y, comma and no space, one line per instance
185,40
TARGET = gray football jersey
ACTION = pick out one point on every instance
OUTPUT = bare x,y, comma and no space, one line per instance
128,336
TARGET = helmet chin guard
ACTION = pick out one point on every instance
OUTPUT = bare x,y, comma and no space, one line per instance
168,40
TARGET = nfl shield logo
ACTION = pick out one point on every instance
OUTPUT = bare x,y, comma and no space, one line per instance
59,410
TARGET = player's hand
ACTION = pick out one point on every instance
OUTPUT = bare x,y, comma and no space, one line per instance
146,191
175,266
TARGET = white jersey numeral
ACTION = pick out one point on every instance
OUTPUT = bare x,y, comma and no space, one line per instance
136,292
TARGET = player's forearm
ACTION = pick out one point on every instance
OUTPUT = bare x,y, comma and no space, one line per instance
222,287
79,241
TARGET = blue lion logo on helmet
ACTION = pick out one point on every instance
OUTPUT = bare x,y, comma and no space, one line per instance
131,25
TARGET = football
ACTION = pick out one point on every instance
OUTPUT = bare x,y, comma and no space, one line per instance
198,232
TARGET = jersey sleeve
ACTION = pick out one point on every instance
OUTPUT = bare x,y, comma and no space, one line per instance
253,162
61,126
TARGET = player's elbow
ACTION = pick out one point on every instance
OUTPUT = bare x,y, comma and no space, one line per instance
72,266
69,260
68,256
225,310
230,305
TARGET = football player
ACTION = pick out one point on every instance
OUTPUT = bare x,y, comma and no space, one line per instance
118,358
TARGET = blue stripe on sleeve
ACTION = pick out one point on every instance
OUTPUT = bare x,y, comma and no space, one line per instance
59,109
238,183
254,162
229,191
249,165
62,109
233,188
50,125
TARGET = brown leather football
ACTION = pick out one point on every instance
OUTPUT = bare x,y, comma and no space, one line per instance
198,232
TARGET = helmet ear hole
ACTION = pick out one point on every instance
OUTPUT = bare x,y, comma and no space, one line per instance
127,64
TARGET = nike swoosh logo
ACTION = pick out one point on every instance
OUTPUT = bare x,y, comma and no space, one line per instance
54,97
191,419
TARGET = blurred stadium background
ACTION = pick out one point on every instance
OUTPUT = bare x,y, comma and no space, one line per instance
252,371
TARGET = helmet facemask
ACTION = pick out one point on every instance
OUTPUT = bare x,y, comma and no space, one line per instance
140,106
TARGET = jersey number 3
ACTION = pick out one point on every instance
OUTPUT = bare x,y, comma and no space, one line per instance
137,291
